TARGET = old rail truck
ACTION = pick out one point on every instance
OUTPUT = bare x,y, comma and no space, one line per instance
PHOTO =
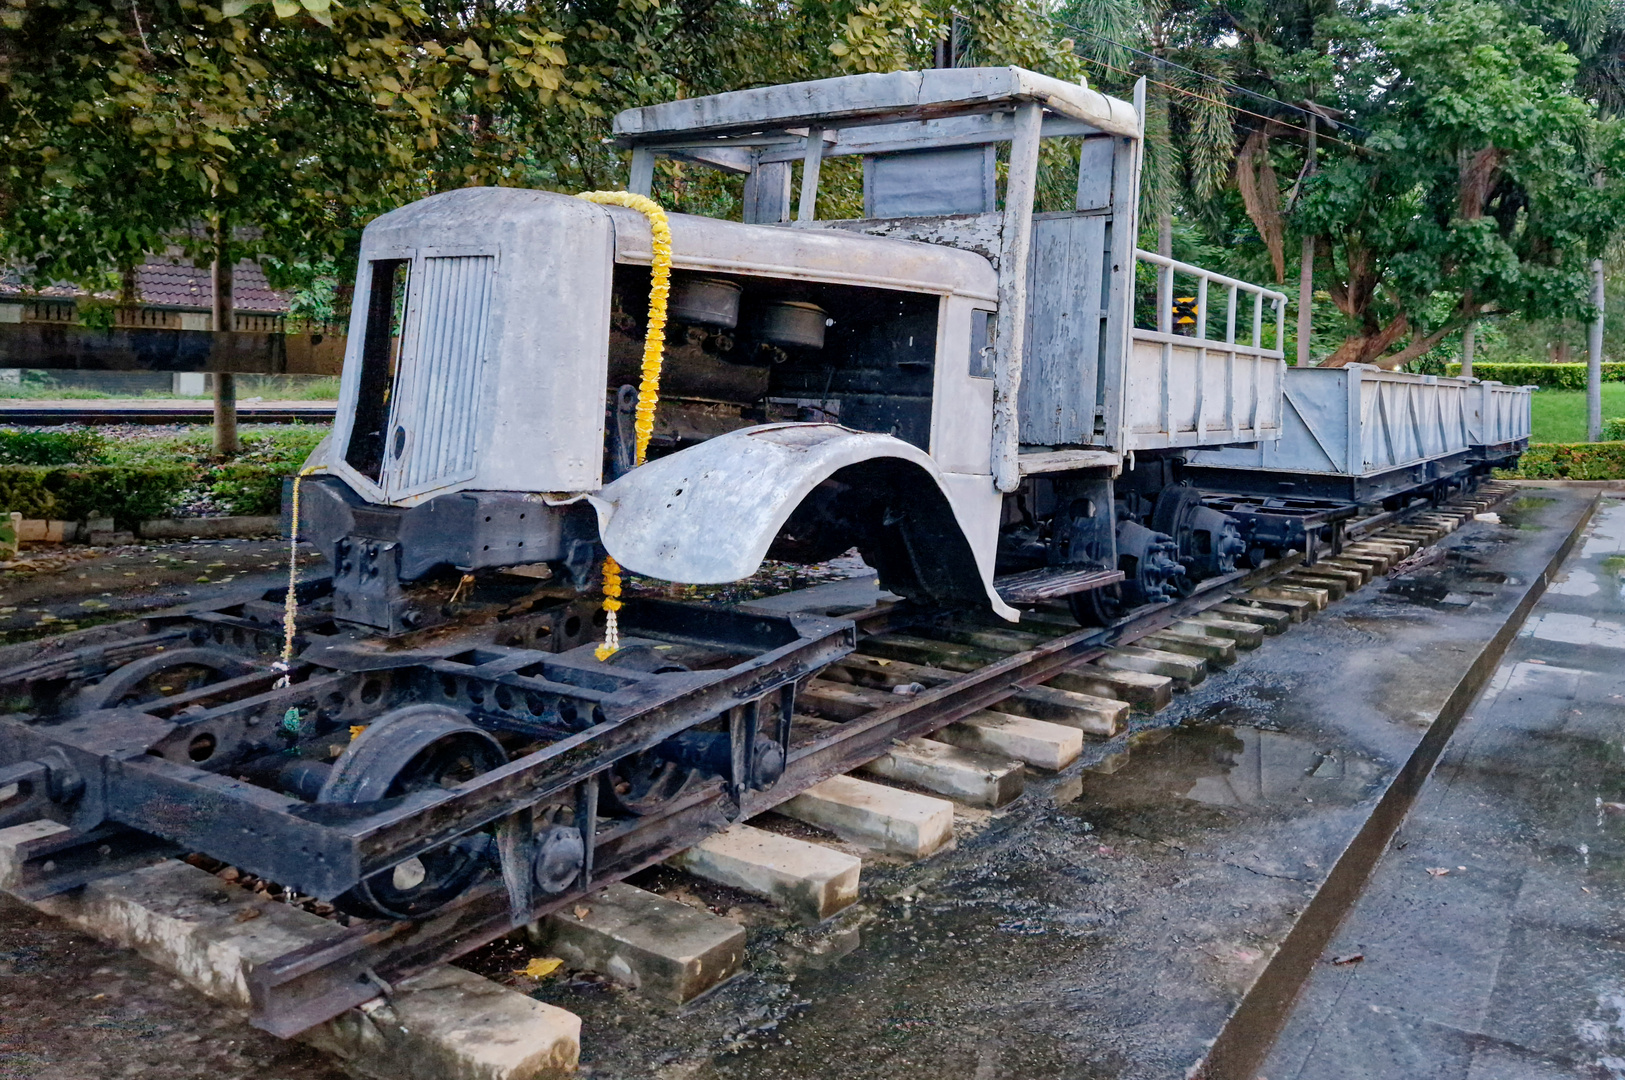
955,385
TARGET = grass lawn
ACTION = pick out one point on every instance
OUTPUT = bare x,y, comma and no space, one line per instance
1559,416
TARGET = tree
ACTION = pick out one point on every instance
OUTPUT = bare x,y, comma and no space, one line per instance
1472,193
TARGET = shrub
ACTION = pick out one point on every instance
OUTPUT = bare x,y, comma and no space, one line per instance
249,489
56,446
1572,461
1614,430
75,492
72,474
1546,376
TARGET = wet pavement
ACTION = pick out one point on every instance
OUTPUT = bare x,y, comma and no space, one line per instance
1105,925
1492,934
65,587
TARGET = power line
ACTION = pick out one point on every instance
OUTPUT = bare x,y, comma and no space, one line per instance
1226,105
1204,75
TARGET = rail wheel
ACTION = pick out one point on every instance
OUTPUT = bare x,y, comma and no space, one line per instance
641,784
417,748
1097,607
165,674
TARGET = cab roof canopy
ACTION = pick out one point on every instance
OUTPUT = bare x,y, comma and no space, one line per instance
865,114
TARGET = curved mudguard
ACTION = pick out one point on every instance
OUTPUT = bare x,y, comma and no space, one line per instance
708,514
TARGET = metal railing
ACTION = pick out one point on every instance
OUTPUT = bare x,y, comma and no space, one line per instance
1190,389
1167,268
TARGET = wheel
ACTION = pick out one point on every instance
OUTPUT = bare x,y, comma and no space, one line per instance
161,675
1096,607
417,748
1209,541
641,784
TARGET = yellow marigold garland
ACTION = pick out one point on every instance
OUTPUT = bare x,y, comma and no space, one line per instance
654,343
290,603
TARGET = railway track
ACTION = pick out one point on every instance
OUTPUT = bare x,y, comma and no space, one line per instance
43,414
956,707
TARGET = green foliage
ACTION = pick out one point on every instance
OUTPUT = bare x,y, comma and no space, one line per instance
1614,430
75,474
1474,185
75,492
1572,461
1552,376
52,446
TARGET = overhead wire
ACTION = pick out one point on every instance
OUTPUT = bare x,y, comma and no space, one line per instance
1323,137
1165,62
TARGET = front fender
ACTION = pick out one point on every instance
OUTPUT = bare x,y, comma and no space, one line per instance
708,514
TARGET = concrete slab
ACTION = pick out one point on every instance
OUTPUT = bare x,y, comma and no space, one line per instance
1245,635
1039,743
962,775
917,650
1210,647
885,818
1273,620
446,1024
1089,713
659,947
1186,671
1334,587
1351,577
1317,598
1145,691
810,880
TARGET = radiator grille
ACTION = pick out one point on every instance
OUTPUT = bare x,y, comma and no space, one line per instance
432,441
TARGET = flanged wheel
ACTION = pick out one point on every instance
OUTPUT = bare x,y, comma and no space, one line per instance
1097,607
418,748
161,675
641,784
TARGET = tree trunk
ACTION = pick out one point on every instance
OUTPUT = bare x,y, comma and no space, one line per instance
1306,268
1594,356
225,383
1367,348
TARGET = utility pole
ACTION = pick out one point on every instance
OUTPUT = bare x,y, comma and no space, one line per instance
1306,266
1467,335
1594,357
225,383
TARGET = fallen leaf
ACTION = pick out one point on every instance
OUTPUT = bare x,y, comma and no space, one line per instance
1349,958
1614,807
1438,871
248,914
540,967
582,912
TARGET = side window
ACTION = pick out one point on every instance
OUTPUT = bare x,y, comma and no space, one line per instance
981,344
380,351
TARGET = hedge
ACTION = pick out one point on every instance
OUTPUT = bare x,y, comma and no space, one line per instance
75,492
131,494
1547,376
1572,461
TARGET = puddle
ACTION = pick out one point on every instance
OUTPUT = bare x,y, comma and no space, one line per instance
1569,629
1523,512
1233,766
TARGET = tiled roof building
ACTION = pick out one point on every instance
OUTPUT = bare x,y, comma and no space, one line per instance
170,292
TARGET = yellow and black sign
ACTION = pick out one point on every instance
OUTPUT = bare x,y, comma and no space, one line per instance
1185,315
